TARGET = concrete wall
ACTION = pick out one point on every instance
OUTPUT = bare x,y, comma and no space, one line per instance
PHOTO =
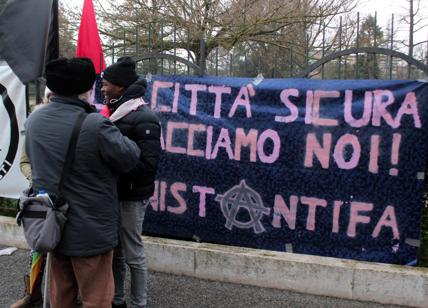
382,283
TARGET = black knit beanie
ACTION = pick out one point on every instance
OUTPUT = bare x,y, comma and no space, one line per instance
70,77
121,73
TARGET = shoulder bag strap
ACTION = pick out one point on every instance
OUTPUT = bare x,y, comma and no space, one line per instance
71,149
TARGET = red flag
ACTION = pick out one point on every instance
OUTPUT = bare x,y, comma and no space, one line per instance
88,42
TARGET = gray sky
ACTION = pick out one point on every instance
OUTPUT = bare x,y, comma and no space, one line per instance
385,9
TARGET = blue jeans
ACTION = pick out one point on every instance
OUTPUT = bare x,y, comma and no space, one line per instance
130,251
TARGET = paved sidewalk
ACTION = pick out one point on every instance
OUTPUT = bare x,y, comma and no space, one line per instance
179,291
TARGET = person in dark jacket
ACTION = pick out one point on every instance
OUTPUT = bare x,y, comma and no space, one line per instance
124,97
83,259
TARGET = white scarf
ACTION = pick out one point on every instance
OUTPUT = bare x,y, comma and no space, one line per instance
126,108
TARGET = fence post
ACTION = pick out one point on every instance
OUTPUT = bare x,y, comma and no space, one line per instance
392,46
175,49
323,50
230,65
38,94
307,49
427,51
273,66
112,52
340,47
150,48
188,50
216,61
101,61
137,49
202,57
246,64
161,46
124,41
375,45
358,45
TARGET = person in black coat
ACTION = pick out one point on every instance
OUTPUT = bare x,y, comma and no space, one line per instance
124,93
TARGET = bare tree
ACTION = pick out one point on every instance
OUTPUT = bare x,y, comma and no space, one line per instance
219,23
415,24
67,31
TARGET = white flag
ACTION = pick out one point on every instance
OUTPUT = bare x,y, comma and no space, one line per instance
12,117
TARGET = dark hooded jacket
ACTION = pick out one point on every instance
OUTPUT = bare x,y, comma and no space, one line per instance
143,127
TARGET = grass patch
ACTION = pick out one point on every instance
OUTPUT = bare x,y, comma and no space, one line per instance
7,207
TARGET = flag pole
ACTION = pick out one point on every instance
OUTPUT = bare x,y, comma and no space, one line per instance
53,48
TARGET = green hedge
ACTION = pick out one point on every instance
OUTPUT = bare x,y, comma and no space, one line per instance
7,207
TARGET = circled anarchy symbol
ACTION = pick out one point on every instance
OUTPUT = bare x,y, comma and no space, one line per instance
243,197
6,165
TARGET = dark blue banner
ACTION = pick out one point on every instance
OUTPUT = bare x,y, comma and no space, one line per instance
329,168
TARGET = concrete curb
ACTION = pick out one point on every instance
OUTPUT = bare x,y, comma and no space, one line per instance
382,283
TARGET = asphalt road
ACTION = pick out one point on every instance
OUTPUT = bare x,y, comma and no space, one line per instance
179,291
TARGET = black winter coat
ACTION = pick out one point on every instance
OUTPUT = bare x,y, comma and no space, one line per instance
143,127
